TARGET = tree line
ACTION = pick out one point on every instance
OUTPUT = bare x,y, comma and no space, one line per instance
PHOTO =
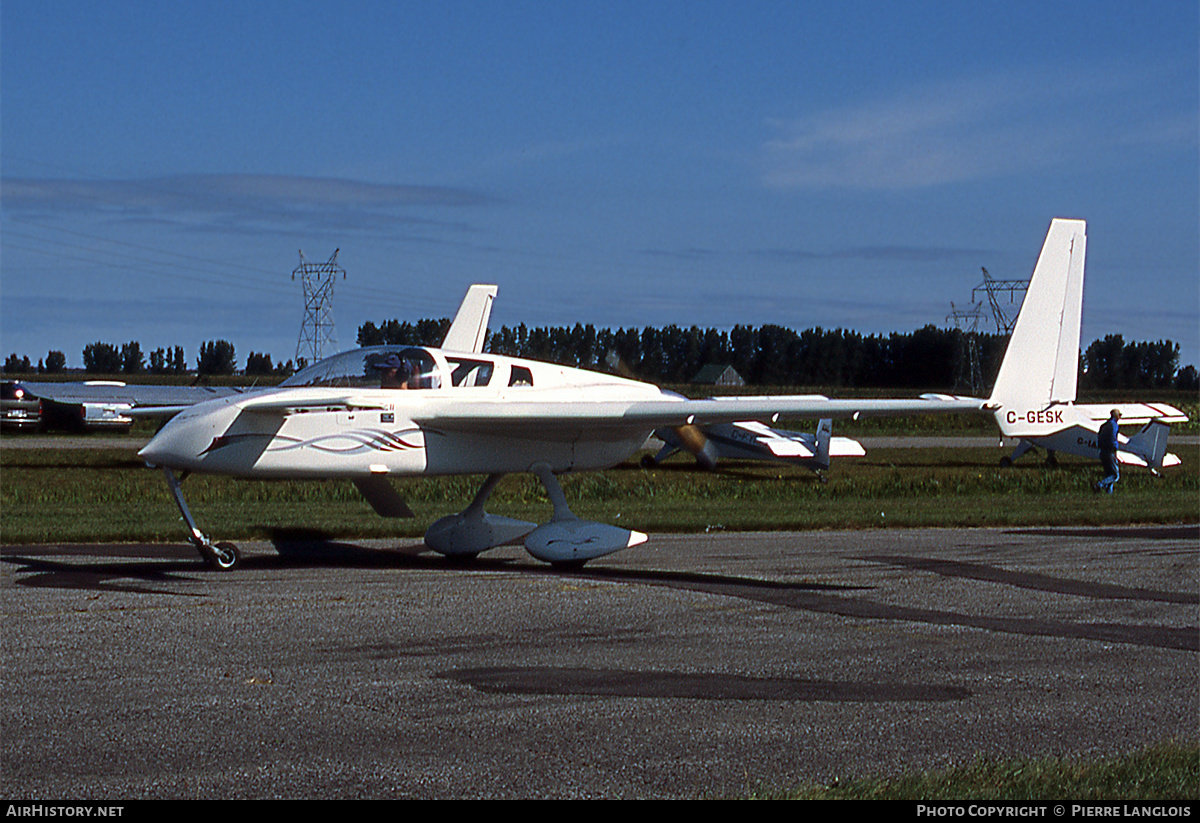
927,358
215,357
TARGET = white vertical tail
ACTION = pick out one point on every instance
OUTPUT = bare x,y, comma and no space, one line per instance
1041,364
469,329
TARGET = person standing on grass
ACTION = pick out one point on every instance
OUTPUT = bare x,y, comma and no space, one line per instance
1107,438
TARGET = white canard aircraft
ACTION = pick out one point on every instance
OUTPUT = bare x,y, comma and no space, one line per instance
1033,398
466,412
456,410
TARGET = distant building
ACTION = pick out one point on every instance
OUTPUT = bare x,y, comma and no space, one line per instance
715,374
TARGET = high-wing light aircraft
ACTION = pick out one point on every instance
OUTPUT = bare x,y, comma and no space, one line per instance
751,440
460,412
1034,395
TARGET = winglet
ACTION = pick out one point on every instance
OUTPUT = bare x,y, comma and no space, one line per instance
468,332
1041,364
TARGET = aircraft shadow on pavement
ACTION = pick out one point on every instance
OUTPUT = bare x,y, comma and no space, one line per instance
149,568
843,602
173,572
142,577
1032,580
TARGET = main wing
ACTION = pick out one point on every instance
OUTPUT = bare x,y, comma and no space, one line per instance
457,412
131,395
108,402
546,417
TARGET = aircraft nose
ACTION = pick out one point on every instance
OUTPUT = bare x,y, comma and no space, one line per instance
181,443
167,448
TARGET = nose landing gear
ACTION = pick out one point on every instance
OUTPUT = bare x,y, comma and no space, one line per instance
222,556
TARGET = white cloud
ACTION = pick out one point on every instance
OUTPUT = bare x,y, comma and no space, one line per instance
974,129
233,199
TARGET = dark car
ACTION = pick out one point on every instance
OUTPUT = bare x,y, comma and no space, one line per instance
19,410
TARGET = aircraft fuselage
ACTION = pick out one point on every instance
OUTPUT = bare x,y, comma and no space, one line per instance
335,428
1068,428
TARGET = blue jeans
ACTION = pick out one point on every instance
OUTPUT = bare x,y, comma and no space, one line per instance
1112,470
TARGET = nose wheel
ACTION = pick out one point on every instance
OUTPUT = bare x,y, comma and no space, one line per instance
222,556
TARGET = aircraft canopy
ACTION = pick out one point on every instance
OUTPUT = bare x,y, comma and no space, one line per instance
372,367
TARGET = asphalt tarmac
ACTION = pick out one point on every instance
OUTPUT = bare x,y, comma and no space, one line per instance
691,666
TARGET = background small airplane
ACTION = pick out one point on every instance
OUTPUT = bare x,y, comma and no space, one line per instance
112,404
751,440
1034,395
747,440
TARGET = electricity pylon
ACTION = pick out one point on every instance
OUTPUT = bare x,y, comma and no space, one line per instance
994,288
316,331
969,374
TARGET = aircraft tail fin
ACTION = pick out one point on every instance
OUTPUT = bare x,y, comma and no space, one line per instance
824,435
468,331
1150,443
1041,364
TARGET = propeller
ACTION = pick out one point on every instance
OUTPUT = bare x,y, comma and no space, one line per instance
690,437
693,439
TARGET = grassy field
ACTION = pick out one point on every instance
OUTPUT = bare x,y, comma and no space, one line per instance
1168,771
69,495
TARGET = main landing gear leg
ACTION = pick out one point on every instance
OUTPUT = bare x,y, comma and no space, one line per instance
473,530
562,509
1021,448
568,541
221,556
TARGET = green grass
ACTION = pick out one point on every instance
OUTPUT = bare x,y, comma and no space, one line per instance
109,495
1165,772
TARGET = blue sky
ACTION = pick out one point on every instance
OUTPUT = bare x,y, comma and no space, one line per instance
847,164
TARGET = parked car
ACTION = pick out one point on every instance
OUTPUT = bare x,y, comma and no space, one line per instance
19,410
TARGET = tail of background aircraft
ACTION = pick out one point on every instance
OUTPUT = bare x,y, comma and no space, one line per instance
824,435
1151,445
1041,364
1034,395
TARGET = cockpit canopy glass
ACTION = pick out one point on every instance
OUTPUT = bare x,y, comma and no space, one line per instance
400,367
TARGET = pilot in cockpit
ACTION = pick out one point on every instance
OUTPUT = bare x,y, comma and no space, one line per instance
393,373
